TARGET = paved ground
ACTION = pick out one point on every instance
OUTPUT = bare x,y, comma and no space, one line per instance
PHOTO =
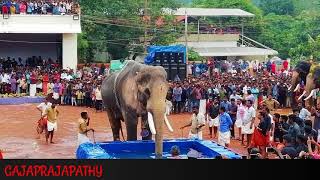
18,138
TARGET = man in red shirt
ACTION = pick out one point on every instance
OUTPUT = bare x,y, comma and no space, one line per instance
1,157
273,67
33,82
5,10
285,64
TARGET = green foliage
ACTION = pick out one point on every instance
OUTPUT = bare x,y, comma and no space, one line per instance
246,5
289,26
116,27
194,56
285,25
279,7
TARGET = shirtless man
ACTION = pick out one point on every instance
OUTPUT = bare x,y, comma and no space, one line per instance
42,123
52,114
83,128
196,123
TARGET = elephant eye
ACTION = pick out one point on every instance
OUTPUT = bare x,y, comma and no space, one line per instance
147,92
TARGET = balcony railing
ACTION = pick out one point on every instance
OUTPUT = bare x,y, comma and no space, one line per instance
210,37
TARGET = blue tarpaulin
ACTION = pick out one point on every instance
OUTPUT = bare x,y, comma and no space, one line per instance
145,149
153,49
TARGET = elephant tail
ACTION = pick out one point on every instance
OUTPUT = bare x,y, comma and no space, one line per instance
122,134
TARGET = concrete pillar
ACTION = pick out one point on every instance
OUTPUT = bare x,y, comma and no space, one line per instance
69,51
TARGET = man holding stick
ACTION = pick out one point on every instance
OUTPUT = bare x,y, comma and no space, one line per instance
84,121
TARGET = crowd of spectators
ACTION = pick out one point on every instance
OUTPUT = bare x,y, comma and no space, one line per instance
222,84
248,92
64,86
55,7
242,91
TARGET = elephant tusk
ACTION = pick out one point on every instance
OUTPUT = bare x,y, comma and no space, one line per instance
310,95
151,123
297,87
168,123
304,93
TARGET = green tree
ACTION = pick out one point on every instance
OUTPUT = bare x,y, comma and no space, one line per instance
117,26
246,5
194,56
279,7
281,32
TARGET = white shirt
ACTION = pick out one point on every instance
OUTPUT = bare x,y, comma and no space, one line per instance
79,74
248,115
69,77
44,107
5,78
97,93
241,112
68,6
304,114
245,90
216,91
236,97
196,121
64,75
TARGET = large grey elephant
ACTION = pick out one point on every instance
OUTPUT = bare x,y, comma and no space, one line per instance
137,90
309,73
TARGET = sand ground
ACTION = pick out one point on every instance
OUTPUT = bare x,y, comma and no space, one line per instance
19,140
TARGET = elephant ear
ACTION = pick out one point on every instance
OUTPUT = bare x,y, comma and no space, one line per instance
303,68
142,78
316,76
162,71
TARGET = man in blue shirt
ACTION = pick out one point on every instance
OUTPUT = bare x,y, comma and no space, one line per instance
224,129
226,104
177,92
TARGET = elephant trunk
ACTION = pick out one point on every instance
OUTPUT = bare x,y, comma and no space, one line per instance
159,136
156,106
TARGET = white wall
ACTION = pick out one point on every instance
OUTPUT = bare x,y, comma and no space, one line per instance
24,50
212,44
40,24
69,51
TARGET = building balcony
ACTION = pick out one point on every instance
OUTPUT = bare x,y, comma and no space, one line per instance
40,24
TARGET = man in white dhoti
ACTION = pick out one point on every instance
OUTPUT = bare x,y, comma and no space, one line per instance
197,122
248,123
83,128
52,114
42,122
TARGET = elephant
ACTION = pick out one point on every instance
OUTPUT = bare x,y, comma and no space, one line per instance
137,90
309,73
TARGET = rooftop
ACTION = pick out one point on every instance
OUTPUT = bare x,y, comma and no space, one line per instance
234,51
213,12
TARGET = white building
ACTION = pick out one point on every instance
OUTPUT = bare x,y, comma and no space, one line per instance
48,36
228,45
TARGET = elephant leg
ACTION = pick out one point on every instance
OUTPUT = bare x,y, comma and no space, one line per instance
131,121
145,126
115,125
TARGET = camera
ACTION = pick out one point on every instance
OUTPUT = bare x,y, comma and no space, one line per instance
254,156
270,150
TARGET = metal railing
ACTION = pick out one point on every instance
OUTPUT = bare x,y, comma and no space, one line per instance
248,42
